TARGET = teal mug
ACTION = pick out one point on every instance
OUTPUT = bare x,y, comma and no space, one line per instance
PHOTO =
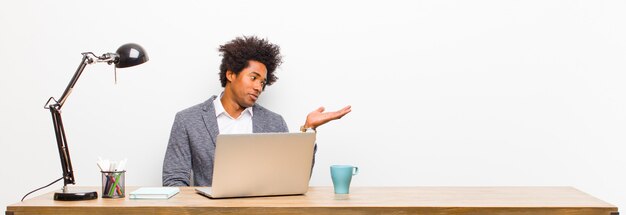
342,176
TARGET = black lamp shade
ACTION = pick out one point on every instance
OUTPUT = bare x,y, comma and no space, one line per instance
130,54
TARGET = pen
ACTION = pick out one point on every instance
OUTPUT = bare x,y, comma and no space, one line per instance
115,183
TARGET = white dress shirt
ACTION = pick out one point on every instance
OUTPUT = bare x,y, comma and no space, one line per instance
229,125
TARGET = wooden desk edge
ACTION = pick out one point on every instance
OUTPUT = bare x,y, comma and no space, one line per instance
49,206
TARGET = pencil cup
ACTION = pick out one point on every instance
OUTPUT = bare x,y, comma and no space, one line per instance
113,184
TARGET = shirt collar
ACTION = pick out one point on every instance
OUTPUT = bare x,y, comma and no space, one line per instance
219,108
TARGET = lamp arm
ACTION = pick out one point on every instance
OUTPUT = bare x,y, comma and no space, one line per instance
55,110
64,153
68,90
59,131
88,58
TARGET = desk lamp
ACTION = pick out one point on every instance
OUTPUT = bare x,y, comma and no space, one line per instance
126,55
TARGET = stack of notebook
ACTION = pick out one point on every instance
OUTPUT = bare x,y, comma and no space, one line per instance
154,193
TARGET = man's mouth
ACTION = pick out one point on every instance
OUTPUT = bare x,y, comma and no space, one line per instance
254,96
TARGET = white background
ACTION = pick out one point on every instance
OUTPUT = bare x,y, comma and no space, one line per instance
444,93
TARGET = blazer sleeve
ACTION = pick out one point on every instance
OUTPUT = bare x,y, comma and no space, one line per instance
177,163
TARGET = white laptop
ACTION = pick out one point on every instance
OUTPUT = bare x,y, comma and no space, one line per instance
261,164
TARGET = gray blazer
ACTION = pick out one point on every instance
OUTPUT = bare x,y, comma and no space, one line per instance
192,142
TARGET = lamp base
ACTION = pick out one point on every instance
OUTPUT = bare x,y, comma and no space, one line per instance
75,195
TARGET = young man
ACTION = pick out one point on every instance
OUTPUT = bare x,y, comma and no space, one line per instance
248,66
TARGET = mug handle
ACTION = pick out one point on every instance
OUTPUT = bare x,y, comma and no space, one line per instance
355,171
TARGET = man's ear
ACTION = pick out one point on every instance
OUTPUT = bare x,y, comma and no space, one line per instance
230,75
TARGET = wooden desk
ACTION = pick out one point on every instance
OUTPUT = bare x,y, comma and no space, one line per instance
363,200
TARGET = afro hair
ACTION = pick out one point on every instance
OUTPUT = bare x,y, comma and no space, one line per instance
236,54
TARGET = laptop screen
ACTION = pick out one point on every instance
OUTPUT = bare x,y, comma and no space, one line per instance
262,164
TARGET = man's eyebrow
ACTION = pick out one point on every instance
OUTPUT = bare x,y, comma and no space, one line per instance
256,73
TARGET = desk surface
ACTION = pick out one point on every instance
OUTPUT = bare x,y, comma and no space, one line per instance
320,200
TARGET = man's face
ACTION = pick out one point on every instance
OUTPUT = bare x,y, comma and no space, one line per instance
248,84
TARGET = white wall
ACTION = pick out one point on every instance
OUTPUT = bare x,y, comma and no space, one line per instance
453,93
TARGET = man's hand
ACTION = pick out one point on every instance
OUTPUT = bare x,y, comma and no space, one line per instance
318,117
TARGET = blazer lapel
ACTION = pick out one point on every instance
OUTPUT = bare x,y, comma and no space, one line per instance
258,115
210,121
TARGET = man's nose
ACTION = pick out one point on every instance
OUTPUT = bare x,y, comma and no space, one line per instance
258,86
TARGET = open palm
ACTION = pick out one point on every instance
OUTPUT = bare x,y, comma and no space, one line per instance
319,117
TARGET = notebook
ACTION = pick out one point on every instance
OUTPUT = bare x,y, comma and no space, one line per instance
261,164
154,193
